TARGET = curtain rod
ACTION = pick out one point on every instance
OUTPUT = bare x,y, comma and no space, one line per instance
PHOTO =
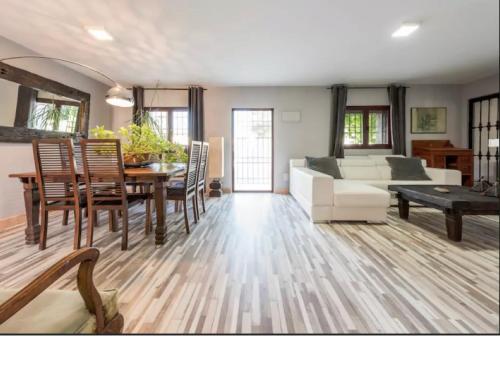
367,87
165,88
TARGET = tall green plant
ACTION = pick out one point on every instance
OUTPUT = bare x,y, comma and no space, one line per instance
144,139
100,132
140,139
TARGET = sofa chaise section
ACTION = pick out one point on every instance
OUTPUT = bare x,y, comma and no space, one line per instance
313,190
325,199
362,194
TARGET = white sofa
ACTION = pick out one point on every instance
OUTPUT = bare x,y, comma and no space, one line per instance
362,194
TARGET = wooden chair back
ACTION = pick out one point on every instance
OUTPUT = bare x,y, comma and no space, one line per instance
56,172
203,165
103,171
192,169
77,153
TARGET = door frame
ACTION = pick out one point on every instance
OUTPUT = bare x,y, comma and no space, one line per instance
272,150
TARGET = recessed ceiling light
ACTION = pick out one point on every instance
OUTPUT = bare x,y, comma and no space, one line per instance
99,33
405,29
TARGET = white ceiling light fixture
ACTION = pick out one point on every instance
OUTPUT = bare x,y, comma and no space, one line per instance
117,96
405,29
99,33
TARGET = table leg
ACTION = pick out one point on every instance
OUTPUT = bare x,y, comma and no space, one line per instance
454,226
160,201
404,208
32,207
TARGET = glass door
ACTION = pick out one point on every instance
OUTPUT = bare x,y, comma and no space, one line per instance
253,150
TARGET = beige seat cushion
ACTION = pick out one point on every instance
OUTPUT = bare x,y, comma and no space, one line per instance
347,193
57,311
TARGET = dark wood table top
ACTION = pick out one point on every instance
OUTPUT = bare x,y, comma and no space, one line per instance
459,197
153,170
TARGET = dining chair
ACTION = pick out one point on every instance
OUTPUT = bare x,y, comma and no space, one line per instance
105,185
202,172
187,188
77,154
58,184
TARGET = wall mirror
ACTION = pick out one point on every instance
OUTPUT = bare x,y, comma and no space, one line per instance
32,106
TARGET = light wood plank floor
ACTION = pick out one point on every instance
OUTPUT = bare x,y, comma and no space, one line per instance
256,265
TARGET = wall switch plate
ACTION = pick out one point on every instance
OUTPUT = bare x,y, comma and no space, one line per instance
285,177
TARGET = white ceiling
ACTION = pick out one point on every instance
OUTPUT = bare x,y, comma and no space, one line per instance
259,42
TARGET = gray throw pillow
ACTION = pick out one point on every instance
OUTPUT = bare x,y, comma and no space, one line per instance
327,165
407,169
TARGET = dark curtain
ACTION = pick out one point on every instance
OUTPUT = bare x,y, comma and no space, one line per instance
138,93
397,99
196,113
337,120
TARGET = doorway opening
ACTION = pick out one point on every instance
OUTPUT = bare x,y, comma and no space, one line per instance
252,150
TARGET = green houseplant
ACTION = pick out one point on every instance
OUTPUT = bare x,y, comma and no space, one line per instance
100,132
143,143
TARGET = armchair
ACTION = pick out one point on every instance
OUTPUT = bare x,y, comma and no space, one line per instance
33,309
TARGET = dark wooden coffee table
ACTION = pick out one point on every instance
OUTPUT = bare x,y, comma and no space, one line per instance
458,202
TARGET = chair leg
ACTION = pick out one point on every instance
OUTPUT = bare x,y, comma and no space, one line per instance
195,203
195,210
149,221
43,229
125,229
113,225
78,229
186,220
96,219
90,227
65,217
202,195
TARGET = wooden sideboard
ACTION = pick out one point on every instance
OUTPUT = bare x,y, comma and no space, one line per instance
442,154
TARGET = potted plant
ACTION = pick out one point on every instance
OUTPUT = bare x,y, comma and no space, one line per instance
173,152
100,132
140,142
143,145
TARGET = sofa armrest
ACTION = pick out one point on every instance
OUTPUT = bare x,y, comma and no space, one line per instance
315,187
444,176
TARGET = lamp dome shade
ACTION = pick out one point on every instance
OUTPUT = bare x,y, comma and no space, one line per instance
120,97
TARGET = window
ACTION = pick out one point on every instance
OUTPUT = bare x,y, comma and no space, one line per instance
171,122
367,127
180,127
160,118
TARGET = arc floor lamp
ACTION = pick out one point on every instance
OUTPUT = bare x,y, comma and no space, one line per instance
117,96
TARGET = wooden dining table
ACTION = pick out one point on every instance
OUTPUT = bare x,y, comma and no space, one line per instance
157,173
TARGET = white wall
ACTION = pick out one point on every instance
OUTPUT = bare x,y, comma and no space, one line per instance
19,157
310,135
291,140
435,96
8,100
